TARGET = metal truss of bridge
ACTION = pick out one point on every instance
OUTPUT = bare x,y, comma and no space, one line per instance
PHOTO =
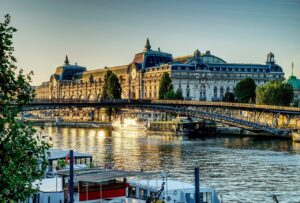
276,120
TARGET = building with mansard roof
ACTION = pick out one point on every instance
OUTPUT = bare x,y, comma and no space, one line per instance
199,76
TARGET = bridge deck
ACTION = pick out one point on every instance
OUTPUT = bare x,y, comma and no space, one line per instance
242,106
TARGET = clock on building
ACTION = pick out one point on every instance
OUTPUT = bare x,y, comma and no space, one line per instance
133,73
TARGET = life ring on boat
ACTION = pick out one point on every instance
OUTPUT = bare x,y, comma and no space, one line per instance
68,158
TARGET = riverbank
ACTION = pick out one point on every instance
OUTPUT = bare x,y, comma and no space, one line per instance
80,124
166,127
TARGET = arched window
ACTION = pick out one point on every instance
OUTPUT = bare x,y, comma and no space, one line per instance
221,92
215,92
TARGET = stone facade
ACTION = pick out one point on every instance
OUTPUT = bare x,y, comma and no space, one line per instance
199,76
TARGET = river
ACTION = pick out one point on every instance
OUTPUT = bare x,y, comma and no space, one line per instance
241,169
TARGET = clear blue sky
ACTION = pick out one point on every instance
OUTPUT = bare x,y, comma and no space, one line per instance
108,33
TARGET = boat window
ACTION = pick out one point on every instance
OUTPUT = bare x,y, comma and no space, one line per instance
189,197
143,194
205,197
132,191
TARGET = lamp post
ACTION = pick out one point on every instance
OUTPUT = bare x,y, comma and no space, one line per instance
197,185
71,184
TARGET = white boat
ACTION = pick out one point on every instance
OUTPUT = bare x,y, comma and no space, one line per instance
118,186
296,136
169,191
130,124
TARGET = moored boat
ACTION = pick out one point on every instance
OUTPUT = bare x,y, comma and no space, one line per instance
119,186
95,184
130,124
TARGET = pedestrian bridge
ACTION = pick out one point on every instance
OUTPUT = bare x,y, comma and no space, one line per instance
277,120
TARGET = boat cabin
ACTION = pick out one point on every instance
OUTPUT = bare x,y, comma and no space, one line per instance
81,160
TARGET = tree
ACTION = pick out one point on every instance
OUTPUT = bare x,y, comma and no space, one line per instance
229,97
275,93
170,94
245,90
178,94
165,87
61,164
20,150
111,90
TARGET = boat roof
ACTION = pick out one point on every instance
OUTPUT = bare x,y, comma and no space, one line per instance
97,175
55,154
49,184
169,185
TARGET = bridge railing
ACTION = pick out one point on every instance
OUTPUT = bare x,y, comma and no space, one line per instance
173,102
65,101
226,104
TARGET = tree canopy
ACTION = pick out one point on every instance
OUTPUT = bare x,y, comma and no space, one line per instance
229,97
275,93
21,151
178,94
165,87
245,90
111,88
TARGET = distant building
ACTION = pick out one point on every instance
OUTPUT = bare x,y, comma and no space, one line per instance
200,76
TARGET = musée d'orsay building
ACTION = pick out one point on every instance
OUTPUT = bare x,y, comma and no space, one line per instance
200,76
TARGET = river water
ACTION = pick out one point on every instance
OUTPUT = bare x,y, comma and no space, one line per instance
241,169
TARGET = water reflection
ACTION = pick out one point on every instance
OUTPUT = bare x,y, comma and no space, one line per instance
242,169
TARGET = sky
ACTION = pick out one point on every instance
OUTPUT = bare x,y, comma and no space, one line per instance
96,33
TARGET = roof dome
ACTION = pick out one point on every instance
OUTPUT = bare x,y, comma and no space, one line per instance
270,58
270,54
276,68
294,81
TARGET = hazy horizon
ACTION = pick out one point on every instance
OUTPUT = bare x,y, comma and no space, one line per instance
108,33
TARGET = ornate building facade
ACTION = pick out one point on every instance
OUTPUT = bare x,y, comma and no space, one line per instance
200,76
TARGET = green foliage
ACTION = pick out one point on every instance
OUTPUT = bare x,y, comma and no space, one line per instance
20,149
275,93
165,87
170,94
61,163
229,97
92,165
178,95
166,90
245,90
111,90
